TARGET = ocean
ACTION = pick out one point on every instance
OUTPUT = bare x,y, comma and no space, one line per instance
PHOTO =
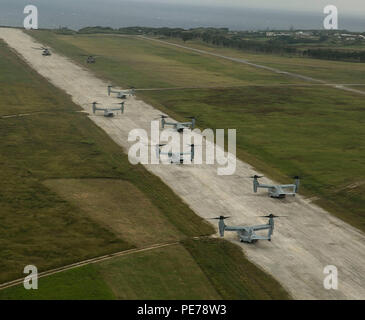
76,14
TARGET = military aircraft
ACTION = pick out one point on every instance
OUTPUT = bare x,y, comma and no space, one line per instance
177,158
121,94
46,51
248,233
89,58
277,191
179,126
108,112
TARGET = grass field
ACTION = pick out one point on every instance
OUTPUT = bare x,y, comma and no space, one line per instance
331,71
145,64
198,269
283,131
232,277
120,207
63,145
83,283
139,276
68,193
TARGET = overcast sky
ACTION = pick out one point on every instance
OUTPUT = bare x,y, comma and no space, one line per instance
347,6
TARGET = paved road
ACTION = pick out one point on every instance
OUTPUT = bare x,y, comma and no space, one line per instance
303,244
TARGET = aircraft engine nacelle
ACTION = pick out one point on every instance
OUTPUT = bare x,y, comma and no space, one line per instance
255,185
158,151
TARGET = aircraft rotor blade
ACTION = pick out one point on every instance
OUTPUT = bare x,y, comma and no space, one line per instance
272,216
161,117
219,218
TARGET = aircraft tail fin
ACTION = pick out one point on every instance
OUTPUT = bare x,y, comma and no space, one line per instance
297,183
271,230
193,123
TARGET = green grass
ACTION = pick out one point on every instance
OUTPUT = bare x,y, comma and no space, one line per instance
166,273
83,283
170,66
231,274
205,269
20,88
144,64
37,225
131,216
283,131
331,71
44,225
313,132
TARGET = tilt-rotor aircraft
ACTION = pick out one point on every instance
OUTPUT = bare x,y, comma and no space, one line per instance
277,191
178,126
248,233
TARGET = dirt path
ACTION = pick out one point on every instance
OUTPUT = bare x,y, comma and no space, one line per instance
249,86
258,66
303,244
87,262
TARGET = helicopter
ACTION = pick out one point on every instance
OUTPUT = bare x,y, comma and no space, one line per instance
277,191
177,158
108,112
179,126
46,51
121,94
248,233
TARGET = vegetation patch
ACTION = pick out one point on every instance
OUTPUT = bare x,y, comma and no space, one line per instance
120,207
37,225
165,273
83,283
231,274
313,131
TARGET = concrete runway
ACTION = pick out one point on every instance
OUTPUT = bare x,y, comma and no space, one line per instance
303,243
